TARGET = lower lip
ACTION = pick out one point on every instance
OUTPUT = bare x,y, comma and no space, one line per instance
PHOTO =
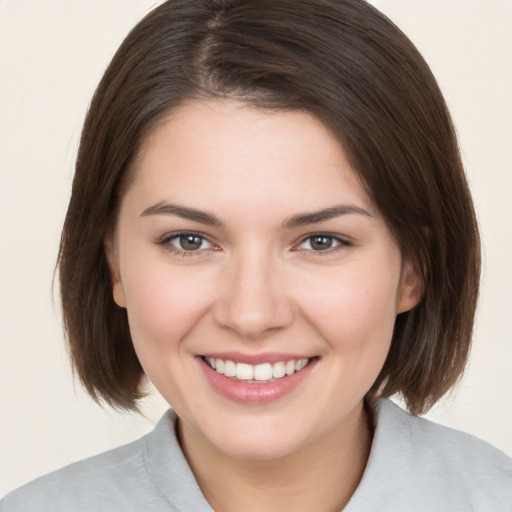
255,393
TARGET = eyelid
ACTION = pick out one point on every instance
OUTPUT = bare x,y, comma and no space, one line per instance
342,241
165,242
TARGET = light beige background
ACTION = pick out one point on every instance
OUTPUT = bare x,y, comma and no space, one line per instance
52,53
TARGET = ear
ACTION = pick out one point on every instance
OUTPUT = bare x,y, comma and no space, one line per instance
111,253
410,289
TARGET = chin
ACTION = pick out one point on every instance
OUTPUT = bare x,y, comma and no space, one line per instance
259,439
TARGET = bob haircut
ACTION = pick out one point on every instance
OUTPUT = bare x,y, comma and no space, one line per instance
354,70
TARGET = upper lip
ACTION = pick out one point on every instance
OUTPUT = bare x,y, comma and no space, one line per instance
254,359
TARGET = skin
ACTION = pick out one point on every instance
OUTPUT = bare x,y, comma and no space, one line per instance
257,285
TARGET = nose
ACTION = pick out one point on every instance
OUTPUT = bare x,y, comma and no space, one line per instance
253,298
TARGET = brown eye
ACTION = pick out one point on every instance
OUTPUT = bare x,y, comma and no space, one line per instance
322,242
186,243
190,242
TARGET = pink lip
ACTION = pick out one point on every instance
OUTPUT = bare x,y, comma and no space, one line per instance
254,393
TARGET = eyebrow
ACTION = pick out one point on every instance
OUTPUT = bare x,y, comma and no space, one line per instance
184,212
301,219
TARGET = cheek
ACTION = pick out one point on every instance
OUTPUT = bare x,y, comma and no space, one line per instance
163,305
354,309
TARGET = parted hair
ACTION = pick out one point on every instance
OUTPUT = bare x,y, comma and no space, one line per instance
353,69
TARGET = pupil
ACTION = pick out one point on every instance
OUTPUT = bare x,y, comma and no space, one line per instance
321,243
190,242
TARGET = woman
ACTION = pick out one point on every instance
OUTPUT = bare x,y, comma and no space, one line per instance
270,220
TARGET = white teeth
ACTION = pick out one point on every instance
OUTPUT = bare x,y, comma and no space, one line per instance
278,370
229,369
243,371
263,372
298,365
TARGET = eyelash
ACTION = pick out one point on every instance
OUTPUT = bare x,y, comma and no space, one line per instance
166,243
339,241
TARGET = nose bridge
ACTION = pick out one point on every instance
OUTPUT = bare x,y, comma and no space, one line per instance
254,298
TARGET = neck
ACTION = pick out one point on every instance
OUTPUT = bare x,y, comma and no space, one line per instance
321,476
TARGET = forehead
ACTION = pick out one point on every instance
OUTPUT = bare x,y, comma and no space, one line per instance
233,152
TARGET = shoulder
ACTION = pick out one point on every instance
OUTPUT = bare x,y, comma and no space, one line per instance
447,447
440,467
73,486
114,480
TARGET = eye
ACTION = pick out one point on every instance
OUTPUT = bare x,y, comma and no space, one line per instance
321,242
186,243
189,242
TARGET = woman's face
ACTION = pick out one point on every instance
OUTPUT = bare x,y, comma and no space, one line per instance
247,243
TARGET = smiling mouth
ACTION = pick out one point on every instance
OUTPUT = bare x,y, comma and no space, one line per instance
259,373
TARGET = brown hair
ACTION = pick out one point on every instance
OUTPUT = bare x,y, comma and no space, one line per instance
347,64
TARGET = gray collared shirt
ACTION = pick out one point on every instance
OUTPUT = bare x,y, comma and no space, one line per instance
414,465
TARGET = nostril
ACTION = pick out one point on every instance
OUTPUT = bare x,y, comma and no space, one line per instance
250,302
